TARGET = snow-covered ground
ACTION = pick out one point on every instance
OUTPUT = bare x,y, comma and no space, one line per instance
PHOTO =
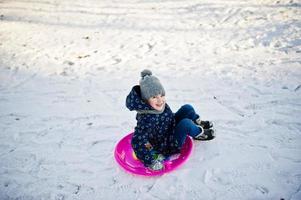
66,67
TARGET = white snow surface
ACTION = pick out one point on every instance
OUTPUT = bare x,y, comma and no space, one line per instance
66,67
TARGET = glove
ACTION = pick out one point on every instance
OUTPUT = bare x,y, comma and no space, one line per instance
156,165
159,157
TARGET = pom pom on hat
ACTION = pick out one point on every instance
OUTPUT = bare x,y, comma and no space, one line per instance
146,72
150,85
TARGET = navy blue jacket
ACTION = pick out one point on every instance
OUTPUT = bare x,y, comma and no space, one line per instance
154,127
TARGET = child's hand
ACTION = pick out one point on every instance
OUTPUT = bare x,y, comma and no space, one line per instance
157,165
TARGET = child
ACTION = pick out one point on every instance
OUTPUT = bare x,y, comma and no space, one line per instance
158,129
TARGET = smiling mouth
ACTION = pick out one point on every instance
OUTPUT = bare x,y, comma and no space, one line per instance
159,105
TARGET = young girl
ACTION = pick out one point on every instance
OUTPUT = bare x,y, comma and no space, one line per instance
158,129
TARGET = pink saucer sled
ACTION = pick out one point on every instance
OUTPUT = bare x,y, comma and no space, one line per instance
125,157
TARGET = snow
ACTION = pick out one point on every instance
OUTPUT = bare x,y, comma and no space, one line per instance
67,66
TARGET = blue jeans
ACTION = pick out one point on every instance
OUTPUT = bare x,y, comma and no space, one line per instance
185,118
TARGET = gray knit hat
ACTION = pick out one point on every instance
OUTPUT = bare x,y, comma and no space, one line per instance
150,85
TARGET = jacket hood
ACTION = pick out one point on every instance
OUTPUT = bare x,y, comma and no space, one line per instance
135,102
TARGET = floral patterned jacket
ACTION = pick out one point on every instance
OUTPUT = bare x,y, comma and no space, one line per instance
154,130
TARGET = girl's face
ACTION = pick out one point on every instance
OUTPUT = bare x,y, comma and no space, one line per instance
157,102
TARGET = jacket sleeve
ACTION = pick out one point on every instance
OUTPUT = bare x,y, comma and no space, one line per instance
139,141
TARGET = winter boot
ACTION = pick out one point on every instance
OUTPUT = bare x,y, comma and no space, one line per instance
206,134
204,124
